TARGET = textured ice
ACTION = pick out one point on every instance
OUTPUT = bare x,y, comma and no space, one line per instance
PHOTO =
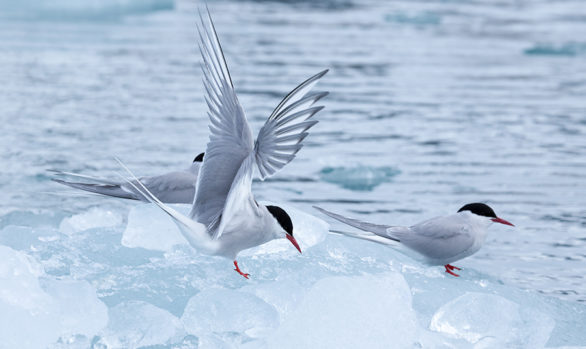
151,228
85,288
492,321
136,324
93,218
371,311
224,311
36,312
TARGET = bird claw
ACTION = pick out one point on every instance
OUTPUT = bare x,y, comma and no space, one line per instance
450,268
246,275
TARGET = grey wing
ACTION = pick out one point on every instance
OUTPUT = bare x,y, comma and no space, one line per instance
282,135
438,238
113,190
378,229
230,136
171,188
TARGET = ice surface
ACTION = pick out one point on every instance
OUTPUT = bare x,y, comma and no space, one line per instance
224,311
93,218
151,228
351,312
135,324
492,321
340,293
36,312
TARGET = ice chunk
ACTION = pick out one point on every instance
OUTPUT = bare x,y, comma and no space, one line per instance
307,229
50,308
151,228
489,320
217,310
93,218
78,308
358,177
371,311
135,324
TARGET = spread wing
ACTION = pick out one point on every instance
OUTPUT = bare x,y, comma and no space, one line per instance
224,182
282,135
230,136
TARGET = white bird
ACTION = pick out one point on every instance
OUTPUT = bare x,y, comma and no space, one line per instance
225,218
437,241
177,187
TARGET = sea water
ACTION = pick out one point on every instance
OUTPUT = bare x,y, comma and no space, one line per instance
433,105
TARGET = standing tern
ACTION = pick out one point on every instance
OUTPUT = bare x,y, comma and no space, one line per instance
225,218
177,187
437,241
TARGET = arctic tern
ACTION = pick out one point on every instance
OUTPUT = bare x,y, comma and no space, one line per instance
177,187
437,241
225,218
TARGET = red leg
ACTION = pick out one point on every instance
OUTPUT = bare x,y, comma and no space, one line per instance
452,267
449,269
240,271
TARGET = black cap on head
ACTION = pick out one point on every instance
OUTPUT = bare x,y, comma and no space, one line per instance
479,209
282,217
198,158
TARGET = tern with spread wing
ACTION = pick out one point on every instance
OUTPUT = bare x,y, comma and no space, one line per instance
437,241
225,218
177,187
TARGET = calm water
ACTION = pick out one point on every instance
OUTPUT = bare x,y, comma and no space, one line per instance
433,104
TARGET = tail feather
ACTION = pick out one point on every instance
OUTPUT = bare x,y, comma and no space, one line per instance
377,229
84,177
114,190
367,236
195,233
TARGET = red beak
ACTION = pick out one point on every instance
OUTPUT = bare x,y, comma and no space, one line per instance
294,242
502,221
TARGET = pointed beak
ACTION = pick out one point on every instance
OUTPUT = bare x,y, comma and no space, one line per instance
502,221
294,242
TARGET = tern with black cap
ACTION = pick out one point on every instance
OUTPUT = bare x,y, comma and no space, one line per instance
225,218
177,187
437,241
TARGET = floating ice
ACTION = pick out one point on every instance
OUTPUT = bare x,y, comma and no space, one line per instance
94,218
224,311
340,293
84,10
371,311
492,321
358,177
135,324
35,313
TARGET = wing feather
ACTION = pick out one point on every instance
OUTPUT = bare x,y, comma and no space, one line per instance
282,135
230,136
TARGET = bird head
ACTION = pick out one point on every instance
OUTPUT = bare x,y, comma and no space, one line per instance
285,224
484,210
199,157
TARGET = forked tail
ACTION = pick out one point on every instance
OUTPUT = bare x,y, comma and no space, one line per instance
194,232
